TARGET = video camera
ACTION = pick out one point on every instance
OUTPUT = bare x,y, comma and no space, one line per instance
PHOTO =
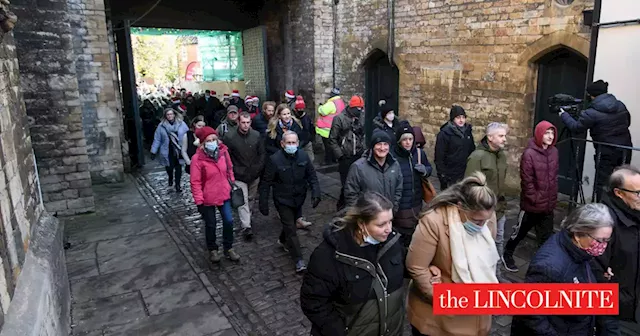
565,102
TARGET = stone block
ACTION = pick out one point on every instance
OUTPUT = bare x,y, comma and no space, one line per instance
84,202
56,206
77,176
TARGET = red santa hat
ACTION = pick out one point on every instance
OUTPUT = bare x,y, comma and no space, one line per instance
248,98
188,93
289,94
300,105
235,93
182,108
175,100
226,95
255,99
213,92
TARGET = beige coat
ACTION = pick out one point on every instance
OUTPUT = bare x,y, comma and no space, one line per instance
430,246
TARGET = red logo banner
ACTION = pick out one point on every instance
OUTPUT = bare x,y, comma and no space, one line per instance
525,299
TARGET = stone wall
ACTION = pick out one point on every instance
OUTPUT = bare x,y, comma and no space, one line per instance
101,107
49,85
253,59
20,204
477,54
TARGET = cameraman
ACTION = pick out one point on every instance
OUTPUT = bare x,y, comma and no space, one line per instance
608,121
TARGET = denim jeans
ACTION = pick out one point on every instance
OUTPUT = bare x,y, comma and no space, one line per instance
209,215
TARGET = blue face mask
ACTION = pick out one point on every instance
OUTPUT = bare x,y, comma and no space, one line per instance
211,146
471,228
290,149
368,239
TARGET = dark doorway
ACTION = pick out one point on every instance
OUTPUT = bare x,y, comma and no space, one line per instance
381,82
562,71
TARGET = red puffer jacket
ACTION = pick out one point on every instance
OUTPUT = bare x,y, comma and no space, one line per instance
539,173
210,179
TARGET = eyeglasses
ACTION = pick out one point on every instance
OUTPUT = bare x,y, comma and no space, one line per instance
599,240
635,192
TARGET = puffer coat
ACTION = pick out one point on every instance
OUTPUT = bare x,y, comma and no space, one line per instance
539,173
348,285
210,179
410,203
366,175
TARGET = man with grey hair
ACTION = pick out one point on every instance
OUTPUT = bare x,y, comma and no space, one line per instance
622,255
289,173
489,158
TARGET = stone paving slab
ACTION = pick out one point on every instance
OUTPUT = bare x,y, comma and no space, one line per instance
129,277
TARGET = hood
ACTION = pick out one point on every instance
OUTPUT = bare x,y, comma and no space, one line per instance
606,103
541,128
338,240
451,129
418,137
484,145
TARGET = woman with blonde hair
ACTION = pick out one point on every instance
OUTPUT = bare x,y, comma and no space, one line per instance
354,281
167,141
283,120
456,235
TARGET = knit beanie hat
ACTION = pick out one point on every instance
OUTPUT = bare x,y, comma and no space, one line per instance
597,88
404,128
335,92
456,110
378,136
299,103
356,101
204,132
385,108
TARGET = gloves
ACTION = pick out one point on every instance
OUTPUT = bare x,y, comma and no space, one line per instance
153,156
420,168
316,201
264,208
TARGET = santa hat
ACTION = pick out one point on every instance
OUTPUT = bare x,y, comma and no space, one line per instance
289,94
299,103
255,99
248,98
235,93
213,92
175,100
182,108
188,93
226,95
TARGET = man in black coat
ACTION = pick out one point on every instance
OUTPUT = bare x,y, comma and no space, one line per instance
608,121
454,144
289,172
622,255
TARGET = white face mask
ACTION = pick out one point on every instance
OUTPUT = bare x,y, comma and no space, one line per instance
368,239
390,116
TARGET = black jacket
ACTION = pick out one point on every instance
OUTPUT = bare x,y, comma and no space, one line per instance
623,256
308,132
453,147
273,145
208,107
290,176
559,260
247,154
379,123
341,278
607,120
411,199
260,123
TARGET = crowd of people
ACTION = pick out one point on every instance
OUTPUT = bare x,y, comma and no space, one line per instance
392,240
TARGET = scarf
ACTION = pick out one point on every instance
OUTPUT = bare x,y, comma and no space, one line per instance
172,132
459,131
287,126
474,257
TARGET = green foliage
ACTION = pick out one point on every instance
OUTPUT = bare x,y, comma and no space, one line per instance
155,57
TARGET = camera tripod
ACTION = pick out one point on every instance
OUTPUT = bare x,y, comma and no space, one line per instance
579,193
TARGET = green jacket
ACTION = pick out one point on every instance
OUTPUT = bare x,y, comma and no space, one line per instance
494,166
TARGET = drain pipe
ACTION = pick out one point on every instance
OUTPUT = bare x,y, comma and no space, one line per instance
391,4
335,39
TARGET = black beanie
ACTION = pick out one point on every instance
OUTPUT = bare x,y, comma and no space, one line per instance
597,88
404,128
379,135
385,108
456,111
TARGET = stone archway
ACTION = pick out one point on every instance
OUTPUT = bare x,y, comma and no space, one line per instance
551,42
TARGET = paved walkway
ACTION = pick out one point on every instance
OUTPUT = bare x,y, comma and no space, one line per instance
138,266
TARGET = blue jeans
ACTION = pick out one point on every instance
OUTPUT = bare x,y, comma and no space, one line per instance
209,215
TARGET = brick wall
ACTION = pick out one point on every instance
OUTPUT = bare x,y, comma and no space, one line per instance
101,115
49,86
475,54
19,197
323,37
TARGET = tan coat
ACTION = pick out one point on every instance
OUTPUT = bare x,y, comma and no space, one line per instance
430,246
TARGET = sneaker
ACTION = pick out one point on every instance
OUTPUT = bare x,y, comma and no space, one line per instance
231,255
247,233
215,256
300,266
302,224
509,263
282,245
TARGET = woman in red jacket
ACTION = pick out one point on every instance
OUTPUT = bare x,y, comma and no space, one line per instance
211,178
539,166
